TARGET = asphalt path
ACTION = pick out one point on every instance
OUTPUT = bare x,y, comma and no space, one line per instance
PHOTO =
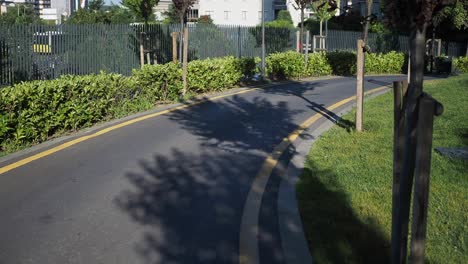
169,189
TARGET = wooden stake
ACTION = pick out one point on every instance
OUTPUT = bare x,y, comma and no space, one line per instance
174,47
184,64
142,51
400,90
427,109
298,41
360,84
307,47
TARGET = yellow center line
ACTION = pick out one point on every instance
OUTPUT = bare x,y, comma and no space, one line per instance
68,144
248,242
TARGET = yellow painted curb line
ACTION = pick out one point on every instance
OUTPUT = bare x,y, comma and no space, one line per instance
68,144
248,242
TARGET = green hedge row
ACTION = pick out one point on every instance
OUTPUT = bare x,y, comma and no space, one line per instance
291,64
461,64
31,112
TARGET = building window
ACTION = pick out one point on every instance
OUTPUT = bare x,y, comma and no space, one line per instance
227,15
192,15
244,15
209,13
260,15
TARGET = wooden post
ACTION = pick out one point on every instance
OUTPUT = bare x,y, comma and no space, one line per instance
142,51
360,84
439,47
409,68
314,43
174,47
184,63
400,90
428,107
307,47
298,41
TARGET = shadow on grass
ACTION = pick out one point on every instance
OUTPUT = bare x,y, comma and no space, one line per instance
334,232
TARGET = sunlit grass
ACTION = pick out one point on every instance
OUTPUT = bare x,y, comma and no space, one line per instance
345,192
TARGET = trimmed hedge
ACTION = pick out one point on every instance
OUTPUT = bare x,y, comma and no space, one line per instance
31,112
290,65
342,62
285,65
160,81
388,63
461,64
214,74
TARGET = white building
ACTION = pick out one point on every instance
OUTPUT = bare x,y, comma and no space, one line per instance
228,12
50,14
237,12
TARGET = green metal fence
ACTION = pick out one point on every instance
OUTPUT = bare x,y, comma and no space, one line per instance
36,52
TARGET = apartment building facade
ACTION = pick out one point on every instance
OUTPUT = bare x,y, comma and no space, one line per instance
39,5
228,12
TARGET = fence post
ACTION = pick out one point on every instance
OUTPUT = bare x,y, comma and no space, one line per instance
428,107
400,90
239,48
360,84
142,50
184,62
174,46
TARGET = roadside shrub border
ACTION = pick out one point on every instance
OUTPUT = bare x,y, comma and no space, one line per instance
32,112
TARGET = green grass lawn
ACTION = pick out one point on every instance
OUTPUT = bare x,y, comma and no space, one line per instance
345,192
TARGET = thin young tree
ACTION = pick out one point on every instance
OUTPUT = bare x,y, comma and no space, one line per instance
141,8
182,7
417,15
302,5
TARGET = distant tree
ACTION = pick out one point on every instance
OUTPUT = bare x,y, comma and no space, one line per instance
141,8
112,15
20,14
171,15
456,15
205,20
302,5
95,5
322,11
284,15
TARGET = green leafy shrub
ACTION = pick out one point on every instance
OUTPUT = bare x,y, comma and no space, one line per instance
33,111
160,81
389,63
215,74
342,62
249,66
318,65
285,65
461,64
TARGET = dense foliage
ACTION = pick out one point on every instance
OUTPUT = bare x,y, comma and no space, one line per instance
20,14
291,64
31,112
461,64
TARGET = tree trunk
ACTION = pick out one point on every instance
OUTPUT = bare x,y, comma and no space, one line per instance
417,49
181,37
302,30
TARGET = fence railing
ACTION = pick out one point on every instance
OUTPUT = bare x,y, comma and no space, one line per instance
36,52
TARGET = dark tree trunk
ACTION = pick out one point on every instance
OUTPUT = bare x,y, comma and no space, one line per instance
417,48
